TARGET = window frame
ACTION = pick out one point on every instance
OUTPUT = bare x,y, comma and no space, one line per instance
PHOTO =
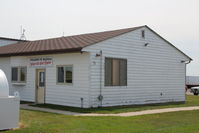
112,58
64,83
19,74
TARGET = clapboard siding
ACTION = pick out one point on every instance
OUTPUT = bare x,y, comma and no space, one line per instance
152,70
69,95
66,94
27,91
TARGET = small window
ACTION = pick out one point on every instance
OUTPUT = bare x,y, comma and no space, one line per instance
115,72
68,74
15,74
23,74
41,79
143,34
60,74
19,74
64,74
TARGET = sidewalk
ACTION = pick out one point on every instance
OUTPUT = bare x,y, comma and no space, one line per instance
126,114
145,112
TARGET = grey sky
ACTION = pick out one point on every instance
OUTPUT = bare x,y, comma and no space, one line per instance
175,20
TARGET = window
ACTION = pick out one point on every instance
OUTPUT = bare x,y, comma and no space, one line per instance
64,74
60,75
19,74
23,74
143,34
68,74
115,72
15,74
41,79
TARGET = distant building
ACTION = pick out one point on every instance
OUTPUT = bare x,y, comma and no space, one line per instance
192,81
6,41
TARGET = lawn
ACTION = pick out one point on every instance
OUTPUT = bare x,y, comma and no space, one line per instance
190,101
175,122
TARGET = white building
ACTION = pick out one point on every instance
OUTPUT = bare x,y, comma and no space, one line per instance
121,67
6,41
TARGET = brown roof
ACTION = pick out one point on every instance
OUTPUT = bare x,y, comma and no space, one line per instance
65,44
58,45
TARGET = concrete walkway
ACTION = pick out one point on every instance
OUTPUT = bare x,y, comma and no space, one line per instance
126,114
144,112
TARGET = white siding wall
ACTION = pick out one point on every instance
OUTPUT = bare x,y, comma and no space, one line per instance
152,70
68,95
27,91
6,42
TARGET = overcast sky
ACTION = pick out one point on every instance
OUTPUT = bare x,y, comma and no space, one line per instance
175,20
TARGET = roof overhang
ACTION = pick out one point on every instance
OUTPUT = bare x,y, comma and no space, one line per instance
58,51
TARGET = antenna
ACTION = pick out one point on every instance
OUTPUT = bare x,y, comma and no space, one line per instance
63,34
22,37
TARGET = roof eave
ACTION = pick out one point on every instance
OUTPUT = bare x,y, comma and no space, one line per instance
56,51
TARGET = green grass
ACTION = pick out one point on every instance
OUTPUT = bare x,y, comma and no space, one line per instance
190,101
175,122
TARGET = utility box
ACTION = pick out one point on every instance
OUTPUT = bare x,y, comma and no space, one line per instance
9,105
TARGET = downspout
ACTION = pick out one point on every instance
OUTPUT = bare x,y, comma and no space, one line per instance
100,97
188,62
186,70
186,76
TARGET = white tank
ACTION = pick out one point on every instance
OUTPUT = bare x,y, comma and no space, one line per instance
4,88
9,105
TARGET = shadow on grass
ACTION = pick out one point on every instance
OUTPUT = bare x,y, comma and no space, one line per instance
25,102
114,109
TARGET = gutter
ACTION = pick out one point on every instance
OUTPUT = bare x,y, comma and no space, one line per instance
100,97
188,62
31,53
186,75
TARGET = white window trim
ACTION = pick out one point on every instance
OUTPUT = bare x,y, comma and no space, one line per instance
64,83
19,82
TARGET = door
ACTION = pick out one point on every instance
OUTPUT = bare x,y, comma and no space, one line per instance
40,86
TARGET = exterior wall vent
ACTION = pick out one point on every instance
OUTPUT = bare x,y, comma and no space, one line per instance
143,34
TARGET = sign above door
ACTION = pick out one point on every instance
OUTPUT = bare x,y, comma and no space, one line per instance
41,61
